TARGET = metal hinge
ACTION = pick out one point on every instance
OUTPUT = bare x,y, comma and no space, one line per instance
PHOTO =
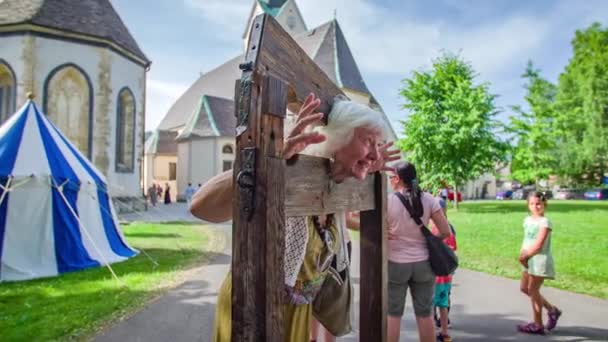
246,181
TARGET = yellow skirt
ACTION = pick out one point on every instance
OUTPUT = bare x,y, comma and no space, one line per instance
297,317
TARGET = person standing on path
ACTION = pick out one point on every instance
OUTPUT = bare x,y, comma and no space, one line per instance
190,190
167,194
408,254
153,195
536,258
443,284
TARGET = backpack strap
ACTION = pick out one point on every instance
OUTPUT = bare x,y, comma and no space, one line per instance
409,208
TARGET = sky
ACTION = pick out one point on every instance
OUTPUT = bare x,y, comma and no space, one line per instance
388,38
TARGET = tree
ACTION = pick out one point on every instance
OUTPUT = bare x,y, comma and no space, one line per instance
581,122
450,132
533,156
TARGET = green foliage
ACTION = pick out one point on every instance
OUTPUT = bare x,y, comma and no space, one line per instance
533,157
490,234
450,133
581,124
75,305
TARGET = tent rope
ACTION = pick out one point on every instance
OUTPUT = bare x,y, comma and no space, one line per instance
154,262
60,190
5,189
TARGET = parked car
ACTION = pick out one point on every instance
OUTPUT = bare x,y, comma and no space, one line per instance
504,195
596,194
521,194
568,194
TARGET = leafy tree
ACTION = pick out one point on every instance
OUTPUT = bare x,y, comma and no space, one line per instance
581,123
450,132
533,156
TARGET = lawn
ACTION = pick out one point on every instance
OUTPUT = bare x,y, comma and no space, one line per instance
76,305
490,233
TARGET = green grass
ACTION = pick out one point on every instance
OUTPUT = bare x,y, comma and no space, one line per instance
490,233
75,305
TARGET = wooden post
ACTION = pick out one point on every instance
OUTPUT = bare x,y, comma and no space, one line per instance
259,201
374,298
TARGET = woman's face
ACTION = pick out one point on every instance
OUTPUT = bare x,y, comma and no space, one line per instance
358,156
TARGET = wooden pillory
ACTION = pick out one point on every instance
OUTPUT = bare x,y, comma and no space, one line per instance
278,74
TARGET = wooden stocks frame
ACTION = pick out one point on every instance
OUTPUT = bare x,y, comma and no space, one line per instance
277,73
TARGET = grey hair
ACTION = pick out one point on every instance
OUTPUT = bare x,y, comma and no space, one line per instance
344,117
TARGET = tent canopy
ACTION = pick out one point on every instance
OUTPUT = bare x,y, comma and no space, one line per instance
55,212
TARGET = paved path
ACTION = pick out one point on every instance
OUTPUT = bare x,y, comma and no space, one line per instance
485,308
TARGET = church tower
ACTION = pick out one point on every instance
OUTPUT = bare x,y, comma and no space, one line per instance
286,12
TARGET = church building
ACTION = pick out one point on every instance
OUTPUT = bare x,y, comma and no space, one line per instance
87,73
202,119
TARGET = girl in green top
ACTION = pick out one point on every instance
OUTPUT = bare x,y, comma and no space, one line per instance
537,260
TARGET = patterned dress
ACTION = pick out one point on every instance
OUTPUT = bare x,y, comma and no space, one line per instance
300,294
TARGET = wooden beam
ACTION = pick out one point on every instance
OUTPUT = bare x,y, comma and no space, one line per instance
258,204
310,190
374,274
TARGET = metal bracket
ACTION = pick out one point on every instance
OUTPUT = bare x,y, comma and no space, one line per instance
246,181
244,103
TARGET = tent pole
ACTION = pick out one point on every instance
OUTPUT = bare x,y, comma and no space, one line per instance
60,190
6,189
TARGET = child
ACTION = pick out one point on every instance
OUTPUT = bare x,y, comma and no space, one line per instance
535,256
443,285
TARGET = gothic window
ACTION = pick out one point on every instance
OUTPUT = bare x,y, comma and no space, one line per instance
7,91
125,131
68,103
227,149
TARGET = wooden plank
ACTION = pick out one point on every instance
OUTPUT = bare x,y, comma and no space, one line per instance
281,56
310,190
374,274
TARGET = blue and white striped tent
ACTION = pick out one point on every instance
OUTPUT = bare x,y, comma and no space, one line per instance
55,212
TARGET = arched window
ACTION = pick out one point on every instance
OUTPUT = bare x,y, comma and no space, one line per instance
8,91
68,102
227,149
125,131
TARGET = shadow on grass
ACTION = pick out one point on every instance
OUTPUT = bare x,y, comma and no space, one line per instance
520,206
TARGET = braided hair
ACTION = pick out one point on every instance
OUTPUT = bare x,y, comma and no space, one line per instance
407,173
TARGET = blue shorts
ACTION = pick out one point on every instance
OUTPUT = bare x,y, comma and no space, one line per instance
442,295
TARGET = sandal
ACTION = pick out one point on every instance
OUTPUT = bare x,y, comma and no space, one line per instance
443,338
553,317
531,328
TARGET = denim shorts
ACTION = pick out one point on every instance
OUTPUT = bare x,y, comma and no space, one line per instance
419,278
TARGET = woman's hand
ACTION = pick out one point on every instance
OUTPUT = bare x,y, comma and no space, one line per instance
297,140
385,156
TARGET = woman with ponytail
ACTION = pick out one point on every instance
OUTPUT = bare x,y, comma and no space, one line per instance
408,265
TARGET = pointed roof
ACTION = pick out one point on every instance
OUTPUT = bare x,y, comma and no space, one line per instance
161,142
327,46
95,18
218,82
272,7
214,117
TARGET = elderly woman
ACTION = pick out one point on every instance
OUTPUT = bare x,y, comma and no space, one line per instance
351,141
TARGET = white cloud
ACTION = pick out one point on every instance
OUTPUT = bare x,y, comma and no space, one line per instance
226,17
160,96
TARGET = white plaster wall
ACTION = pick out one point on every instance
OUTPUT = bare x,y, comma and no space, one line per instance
203,161
221,157
291,9
53,53
11,49
183,169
